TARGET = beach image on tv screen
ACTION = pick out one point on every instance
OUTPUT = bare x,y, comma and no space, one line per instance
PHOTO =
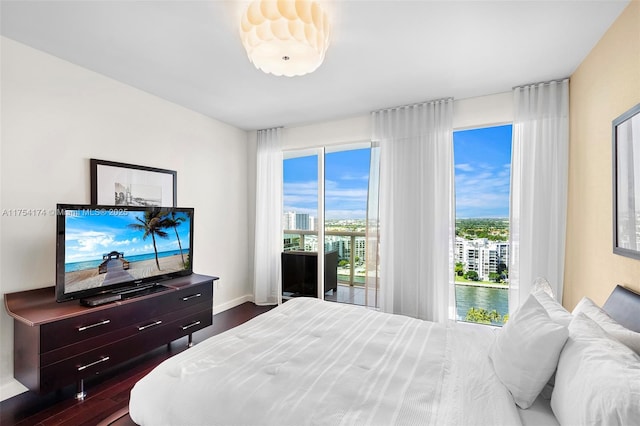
107,249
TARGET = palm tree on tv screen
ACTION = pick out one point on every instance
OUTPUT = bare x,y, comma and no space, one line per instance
173,222
153,225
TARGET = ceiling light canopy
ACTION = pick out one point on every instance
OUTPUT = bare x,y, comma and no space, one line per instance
285,37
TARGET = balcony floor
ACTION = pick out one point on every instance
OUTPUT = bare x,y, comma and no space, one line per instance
347,294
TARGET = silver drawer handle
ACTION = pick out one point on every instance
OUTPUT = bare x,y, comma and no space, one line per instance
153,324
103,359
193,324
192,296
86,327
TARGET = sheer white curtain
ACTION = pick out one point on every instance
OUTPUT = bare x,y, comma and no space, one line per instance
268,232
540,162
372,232
417,226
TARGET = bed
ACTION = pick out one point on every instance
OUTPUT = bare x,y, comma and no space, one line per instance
311,362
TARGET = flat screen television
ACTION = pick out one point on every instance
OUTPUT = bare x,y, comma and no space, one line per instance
102,249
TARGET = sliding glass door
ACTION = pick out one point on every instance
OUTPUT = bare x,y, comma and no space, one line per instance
325,197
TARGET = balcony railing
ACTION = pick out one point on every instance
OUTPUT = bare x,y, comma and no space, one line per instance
290,243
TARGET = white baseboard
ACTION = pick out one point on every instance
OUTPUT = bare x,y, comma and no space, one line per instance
11,389
232,303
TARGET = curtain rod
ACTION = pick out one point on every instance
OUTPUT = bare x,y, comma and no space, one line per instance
560,80
270,128
450,98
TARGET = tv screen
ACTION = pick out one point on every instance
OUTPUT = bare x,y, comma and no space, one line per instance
101,249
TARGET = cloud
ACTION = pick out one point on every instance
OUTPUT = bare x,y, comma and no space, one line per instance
302,197
348,177
465,167
89,241
346,194
485,194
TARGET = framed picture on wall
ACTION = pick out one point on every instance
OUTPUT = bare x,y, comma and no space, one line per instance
626,183
121,184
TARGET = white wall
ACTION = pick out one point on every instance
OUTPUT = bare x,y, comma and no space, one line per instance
483,111
55,117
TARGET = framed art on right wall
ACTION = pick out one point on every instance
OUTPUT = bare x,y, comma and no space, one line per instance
626,183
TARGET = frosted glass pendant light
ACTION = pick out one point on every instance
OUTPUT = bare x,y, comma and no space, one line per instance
285,37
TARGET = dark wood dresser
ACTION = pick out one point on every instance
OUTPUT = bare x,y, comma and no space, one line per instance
57,344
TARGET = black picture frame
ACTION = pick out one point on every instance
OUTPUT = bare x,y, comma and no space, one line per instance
626,183
114,183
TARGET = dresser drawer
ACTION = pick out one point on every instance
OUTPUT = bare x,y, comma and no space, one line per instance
97,360
144,325
131,312
186,297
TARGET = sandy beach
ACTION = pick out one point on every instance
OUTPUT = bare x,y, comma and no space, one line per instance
89,278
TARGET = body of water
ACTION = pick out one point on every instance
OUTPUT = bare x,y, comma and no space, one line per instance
467,297
90,264
488,298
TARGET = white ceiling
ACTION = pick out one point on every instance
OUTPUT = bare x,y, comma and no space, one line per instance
382,53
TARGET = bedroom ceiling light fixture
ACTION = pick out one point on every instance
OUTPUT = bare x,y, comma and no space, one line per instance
285,37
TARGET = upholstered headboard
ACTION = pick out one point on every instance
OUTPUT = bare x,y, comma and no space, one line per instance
623,305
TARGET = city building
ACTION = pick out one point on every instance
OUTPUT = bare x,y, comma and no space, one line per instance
289,220
300,221
482,256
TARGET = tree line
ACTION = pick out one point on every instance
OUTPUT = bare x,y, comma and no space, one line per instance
491,229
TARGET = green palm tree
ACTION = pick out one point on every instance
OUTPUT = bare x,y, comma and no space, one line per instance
173,222
153,225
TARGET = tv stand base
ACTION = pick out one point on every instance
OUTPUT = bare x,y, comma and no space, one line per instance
100,299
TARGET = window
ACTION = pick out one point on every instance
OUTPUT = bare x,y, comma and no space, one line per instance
482,177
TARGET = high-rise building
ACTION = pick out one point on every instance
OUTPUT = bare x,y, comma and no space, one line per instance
360,248
289,220
302,221
482,256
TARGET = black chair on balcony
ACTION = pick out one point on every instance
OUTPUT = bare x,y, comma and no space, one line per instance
300,273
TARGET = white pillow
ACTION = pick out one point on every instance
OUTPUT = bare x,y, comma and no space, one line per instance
543,293
526,350
556,311
598,378
541,284
596,313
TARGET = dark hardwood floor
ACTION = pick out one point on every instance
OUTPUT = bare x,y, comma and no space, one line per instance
108,395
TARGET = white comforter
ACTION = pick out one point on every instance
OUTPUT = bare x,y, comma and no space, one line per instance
311,362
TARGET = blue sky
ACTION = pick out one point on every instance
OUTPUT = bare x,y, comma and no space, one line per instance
89,237
346,182
482,160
